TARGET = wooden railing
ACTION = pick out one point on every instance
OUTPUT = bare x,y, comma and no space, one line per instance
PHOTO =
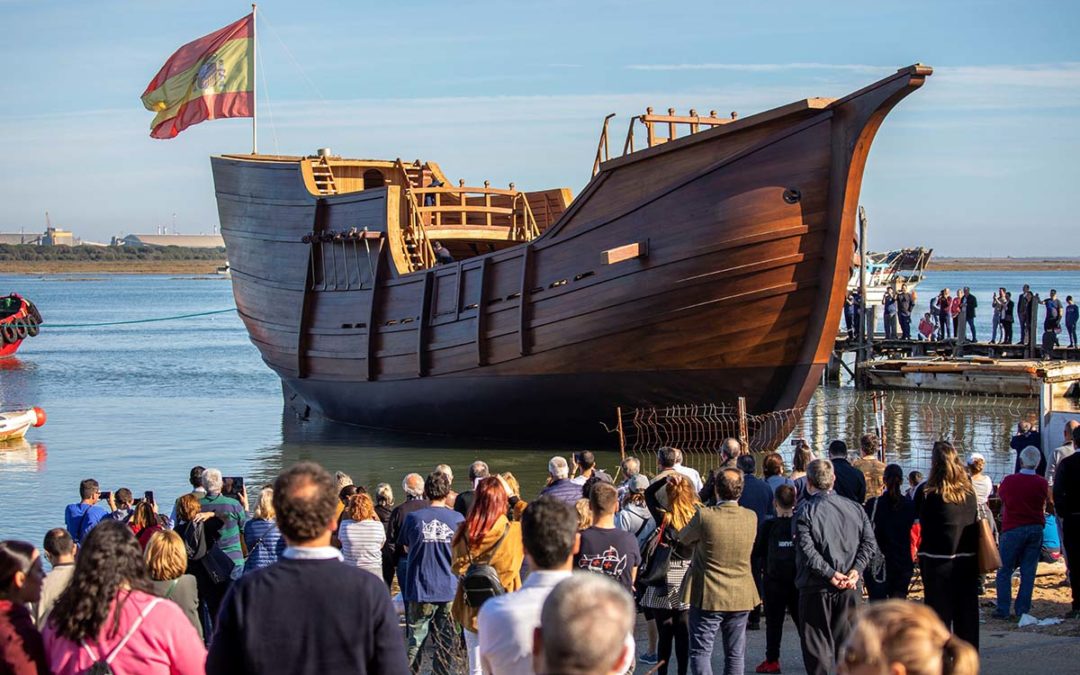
414,244
602,154
473,206
655,125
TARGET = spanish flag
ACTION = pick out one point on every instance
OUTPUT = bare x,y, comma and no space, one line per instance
209,78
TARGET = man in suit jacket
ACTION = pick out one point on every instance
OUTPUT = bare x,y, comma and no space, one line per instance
834,542
719,585
850,482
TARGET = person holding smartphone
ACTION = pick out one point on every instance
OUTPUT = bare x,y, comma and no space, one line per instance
85,514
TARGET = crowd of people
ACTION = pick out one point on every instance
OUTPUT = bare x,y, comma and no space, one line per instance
949,316
489,582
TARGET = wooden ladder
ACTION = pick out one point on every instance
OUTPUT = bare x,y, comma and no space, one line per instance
324,177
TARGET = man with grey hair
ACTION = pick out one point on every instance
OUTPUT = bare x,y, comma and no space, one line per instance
477,471
629,467
834,542
413,487
730,451
1062,451
1025,497
559,484
233,514
583,628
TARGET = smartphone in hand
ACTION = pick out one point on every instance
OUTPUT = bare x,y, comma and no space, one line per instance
105,496
149,496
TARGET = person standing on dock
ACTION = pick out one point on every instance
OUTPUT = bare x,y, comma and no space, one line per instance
849,315
944,318
1023,313
905,303
997,305
1072,315
888,304
969,303
1007,319
1052,322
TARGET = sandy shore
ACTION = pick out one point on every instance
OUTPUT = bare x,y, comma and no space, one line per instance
1004,264
113,267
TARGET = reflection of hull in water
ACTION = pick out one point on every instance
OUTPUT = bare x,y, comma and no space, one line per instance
22,453
741,242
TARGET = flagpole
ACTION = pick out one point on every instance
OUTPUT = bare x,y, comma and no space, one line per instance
254,86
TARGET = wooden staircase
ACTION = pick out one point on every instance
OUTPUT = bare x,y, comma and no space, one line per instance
324,177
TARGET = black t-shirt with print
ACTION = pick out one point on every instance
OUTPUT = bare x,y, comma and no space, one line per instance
613,552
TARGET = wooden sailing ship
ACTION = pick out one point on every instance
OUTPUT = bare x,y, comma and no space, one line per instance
694,268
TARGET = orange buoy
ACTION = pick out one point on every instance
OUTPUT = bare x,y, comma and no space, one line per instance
39,416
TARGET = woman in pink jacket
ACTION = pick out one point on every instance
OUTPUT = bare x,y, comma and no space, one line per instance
109,613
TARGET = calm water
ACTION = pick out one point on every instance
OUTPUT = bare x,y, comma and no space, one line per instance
137,405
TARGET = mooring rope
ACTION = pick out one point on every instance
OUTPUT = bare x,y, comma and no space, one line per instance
50,326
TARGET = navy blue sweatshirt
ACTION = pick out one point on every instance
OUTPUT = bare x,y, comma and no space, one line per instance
309,617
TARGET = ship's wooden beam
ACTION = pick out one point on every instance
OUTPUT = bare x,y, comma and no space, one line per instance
425,315
523,300
639,249
481,312
372,315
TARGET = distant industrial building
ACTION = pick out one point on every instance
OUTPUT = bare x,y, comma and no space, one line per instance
187,240
53,236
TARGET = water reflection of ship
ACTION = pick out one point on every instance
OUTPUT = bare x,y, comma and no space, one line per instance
21,454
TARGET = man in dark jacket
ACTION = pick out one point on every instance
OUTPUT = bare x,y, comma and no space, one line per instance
850,482
834,543
758,497
1007,318
560,486
289,617
1067,506
970,303
1023,313
905,302
1027,435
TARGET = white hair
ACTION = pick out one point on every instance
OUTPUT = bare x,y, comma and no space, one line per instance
446,471
342,479
413,485
1029,457
384,494
558,468
211,481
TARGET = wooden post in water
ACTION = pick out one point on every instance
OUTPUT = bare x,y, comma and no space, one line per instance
744,440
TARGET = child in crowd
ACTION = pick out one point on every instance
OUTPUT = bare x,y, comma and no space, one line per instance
775,546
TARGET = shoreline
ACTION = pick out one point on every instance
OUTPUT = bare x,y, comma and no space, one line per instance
59,267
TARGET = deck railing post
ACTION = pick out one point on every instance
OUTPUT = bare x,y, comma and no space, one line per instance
1033,326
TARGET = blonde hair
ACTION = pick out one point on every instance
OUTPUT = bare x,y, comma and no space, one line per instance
384,494
910,634
515,487
584,513
265,508
165,555
360,507
947,474
683,502
976,466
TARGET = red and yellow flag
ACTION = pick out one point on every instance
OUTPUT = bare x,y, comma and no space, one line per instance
207,79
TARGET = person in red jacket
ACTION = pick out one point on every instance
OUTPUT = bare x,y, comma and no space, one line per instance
22,651
1025,497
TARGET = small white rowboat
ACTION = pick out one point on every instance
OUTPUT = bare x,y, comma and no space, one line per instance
16,423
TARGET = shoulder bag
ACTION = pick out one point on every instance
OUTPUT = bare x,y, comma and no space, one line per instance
988,556
657,558
481,580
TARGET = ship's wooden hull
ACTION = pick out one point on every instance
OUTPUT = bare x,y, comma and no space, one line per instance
745,237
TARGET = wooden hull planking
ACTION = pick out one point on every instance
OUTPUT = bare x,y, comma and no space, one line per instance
744,234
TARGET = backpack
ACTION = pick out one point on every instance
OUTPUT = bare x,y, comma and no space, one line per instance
103,665
481,581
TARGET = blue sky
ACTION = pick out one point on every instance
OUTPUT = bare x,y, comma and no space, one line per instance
983,160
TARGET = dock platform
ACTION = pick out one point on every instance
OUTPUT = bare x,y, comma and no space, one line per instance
972,375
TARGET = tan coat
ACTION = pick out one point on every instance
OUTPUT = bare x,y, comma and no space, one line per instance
874,471
719,578
506,561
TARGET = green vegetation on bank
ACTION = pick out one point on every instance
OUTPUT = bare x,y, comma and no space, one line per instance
34,253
